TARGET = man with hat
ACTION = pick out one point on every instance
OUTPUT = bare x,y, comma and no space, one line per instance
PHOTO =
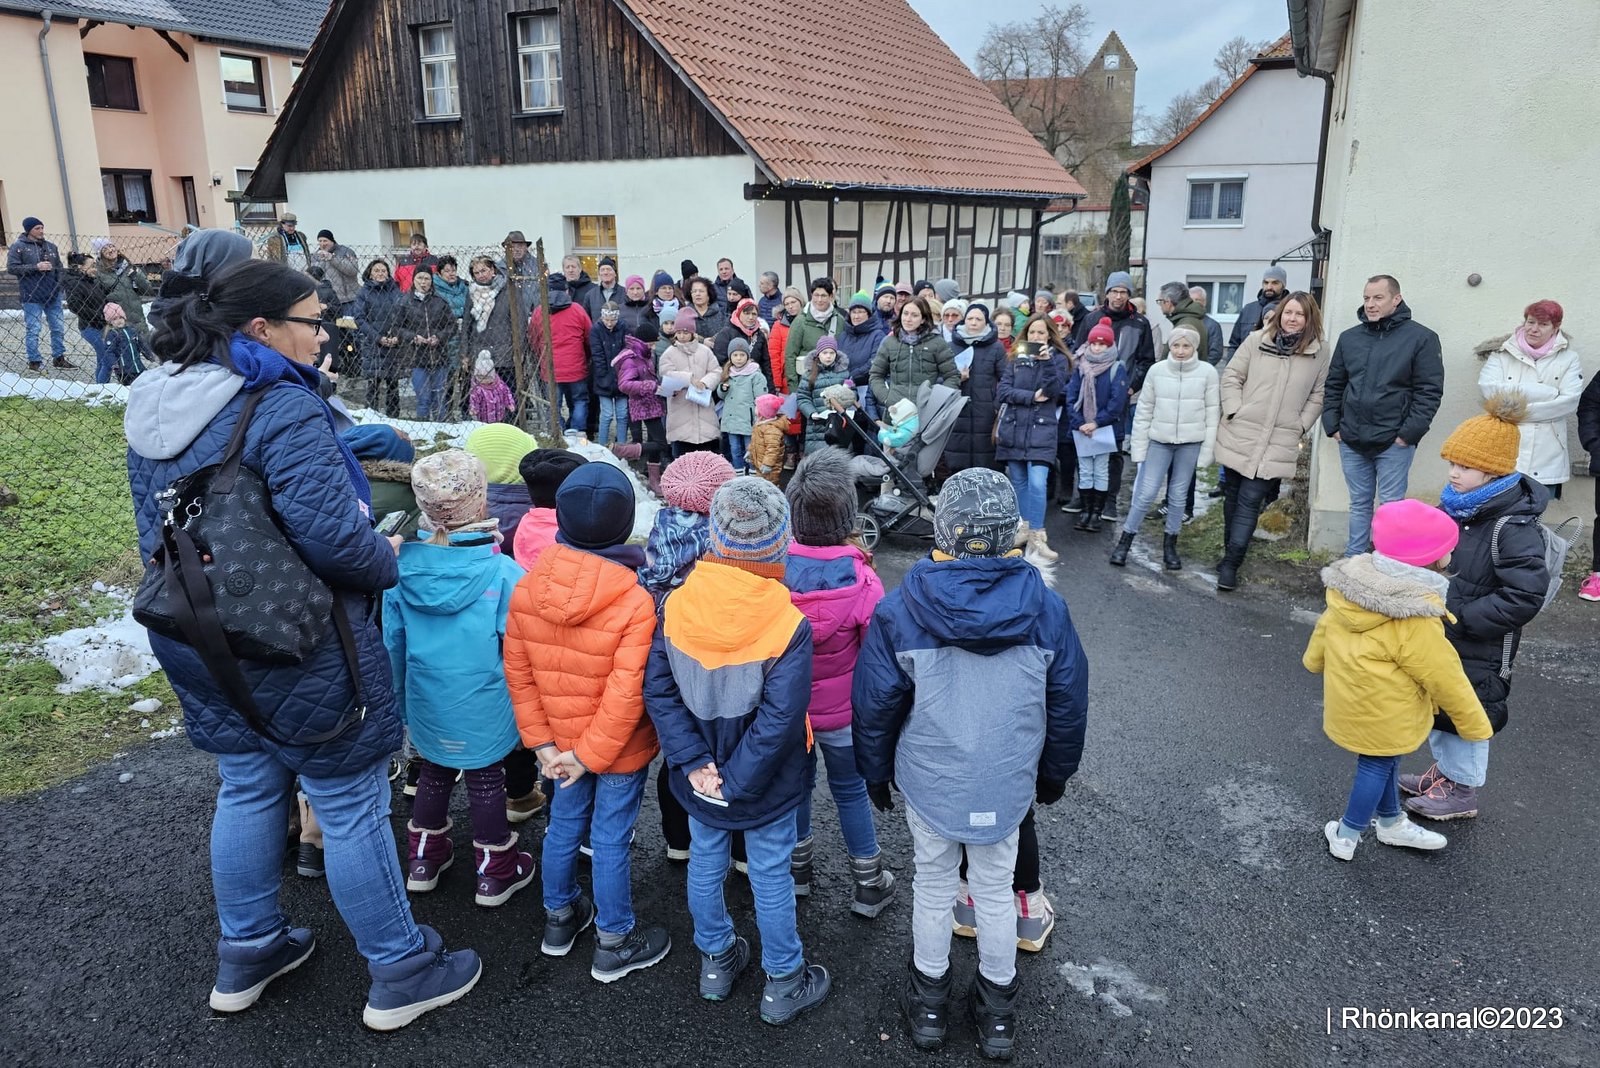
288,245
1274,284
521,269
975,617
36,263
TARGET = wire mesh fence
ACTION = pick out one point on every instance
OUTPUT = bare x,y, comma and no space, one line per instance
65,367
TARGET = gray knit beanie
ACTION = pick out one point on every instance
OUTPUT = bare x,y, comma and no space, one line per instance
976,515
822,499
750,521
947,289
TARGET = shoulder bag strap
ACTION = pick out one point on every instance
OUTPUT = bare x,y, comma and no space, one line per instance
231,455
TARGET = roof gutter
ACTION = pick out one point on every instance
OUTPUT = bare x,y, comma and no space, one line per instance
55,125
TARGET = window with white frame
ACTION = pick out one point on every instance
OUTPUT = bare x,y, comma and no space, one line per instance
1008,261
1216,200
844,267
589,237
963,271
1224,296
937,255
129,196
244,87
436,45
538,62
1052,245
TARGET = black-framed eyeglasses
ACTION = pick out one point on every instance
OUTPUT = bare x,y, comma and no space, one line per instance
303,319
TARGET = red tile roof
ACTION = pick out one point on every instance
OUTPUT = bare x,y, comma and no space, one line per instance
828,97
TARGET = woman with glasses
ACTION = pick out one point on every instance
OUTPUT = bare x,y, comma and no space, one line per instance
253,334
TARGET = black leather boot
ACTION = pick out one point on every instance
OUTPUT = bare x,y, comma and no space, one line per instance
924,1004
1087,497
1119,554
994,1014
1095,514
1169,553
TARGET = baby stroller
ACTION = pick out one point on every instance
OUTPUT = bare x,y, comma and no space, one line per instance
902,504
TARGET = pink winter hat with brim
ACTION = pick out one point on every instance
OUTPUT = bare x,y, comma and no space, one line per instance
1413,532
690,481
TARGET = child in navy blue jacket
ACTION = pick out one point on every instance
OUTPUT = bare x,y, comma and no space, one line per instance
1097,397
126,351
975,618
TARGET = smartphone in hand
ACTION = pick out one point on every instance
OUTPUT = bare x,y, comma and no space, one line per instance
392,523
708,799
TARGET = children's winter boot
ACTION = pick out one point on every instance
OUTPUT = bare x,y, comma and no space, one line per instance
994,1014
1036,918
787,996
1445,799
1420,784
627,450
1087,496
874,886
924,1004
652,478
1095,515
1169,553
428,854
800,867
1119,553
1041,546
502,871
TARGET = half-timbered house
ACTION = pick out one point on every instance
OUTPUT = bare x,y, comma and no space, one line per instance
805,137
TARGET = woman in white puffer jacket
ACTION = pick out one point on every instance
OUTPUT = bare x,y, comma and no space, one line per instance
1174,431
1538,361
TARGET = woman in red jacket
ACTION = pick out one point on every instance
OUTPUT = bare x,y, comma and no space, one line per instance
569,345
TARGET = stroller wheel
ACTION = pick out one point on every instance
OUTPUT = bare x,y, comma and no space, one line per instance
867,525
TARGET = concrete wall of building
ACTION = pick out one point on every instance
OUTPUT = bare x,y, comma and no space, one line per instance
1433,184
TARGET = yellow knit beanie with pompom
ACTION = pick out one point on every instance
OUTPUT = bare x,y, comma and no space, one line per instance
1489,442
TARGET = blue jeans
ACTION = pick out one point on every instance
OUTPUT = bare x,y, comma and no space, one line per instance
1460,760
605,808
49,311
102,352
849,791
1030,480
576,397
738,451
429,388
1385,474
1376,791
1094,472
362,859
613,411
769,848
1172,464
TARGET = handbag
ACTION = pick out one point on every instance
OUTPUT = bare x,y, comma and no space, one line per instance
226,582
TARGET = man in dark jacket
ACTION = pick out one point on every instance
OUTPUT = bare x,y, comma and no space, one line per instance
288,245
36,263
770,302
1215,346
579,284
1183,310
608,289
1383,390
974,618
1274,284
725,276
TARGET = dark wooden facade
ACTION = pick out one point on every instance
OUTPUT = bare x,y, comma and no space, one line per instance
363,108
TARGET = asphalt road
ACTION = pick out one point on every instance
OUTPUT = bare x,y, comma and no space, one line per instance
1201,920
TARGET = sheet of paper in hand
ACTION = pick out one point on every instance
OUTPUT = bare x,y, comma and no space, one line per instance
1104,440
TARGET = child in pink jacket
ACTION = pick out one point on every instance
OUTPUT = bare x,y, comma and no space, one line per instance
831,581
542,471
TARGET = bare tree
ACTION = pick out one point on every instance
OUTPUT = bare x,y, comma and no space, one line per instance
1235,55
1231,61
1033,67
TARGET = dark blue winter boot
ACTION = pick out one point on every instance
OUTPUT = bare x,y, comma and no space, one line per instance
243,973
423,981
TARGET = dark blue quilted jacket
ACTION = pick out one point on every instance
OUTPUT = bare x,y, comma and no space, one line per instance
179,422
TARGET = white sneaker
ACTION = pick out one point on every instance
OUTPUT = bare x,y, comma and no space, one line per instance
1340,846
1408,834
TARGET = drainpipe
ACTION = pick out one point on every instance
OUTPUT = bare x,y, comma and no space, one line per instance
1322,154
55,126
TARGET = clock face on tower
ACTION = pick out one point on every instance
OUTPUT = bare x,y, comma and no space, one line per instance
1113,62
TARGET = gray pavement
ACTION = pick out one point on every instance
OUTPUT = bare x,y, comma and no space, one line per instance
1200,918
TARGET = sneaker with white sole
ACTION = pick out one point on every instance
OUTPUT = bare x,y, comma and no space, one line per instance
1341,847
1590,590
244,972
428,979
1416,785
1408,835
1036,918
642,947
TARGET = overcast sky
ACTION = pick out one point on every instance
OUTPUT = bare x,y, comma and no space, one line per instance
1171,41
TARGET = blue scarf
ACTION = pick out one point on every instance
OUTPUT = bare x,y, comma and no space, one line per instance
1462,506
262,367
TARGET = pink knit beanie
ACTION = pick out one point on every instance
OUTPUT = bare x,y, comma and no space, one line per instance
1413,532
690,481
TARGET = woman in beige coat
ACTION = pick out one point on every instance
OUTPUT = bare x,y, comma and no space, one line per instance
1271,396
692,368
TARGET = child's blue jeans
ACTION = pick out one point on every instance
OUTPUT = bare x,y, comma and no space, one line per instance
738,451
613,413
769,848
849,791
1376,791
1094,472
605,808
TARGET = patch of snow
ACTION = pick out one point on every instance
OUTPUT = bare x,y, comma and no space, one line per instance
1112,985
146,707
56,389
1256,813
168,732
112,654
126,776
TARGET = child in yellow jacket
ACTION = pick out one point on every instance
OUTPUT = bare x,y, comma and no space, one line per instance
1387,667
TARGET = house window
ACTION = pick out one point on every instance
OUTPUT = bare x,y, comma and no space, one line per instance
251,212
243,88
591,236
937,255
129,197
294,72
436,45
1224,296
1111,81
1216,201
1052,245
963,271
844,266
539,63
398,232
111,82
1008,261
